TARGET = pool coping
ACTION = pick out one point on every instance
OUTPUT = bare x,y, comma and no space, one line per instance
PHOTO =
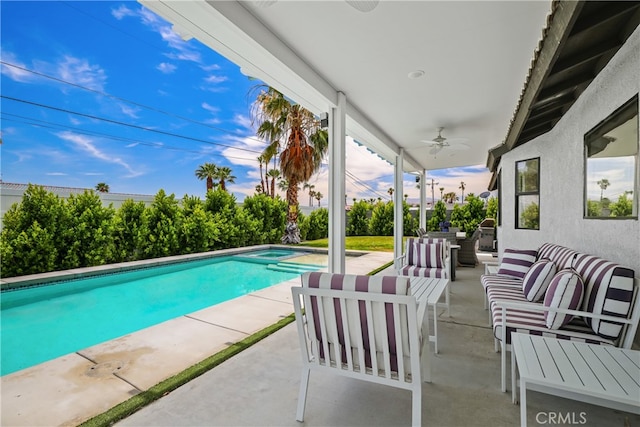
75,387
12,283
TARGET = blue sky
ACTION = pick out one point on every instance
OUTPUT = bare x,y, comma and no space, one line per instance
107,92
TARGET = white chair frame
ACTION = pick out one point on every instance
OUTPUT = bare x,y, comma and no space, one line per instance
406,377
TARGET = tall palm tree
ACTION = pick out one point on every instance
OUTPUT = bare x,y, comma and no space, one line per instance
603,183
441,192
318,197
309,187
262,184
273,174
223,175
462,187
102,187
390,191
207,171
295,133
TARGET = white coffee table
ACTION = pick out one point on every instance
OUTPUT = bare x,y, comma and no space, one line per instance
428,290
597,374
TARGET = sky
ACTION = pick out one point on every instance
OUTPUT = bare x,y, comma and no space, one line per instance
98,92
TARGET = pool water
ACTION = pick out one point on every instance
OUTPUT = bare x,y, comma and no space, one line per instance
45,322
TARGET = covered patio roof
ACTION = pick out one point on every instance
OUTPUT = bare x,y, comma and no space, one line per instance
474,55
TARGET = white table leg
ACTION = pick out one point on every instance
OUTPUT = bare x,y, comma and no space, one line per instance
447,299
523,404
435,328
514,381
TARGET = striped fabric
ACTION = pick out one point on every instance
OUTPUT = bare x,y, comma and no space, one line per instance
533,323
547,250
412,269
428,255
537,279
561,256
565,291
516,263
608,291
489,280
357,314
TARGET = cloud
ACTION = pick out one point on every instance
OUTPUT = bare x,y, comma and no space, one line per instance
56,174
13,72
244,121
87,145
122,11
166,68
210,108
129,111
80,72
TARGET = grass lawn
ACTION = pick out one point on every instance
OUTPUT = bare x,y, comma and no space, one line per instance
359,243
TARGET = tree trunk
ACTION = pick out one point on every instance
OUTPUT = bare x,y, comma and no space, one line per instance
292,232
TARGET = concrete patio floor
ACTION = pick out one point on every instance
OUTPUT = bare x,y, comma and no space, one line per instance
259,387
73,388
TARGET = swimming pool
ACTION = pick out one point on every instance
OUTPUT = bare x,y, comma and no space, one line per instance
44,322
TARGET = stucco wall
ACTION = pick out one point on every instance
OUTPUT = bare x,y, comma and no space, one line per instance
562,173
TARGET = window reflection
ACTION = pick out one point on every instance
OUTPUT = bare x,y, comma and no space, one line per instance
611,150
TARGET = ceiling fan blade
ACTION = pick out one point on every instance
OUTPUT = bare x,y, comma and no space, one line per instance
436,149
363,5
458,146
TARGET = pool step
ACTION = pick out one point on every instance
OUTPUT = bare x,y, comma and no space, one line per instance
292,267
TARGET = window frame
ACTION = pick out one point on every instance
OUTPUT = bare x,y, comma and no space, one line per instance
523,193
612,121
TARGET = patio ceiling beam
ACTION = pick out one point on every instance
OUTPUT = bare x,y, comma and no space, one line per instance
612,11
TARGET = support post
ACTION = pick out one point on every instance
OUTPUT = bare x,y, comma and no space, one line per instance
398,220
423,199
337,155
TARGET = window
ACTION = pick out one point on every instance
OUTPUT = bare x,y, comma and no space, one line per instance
611,162
528,194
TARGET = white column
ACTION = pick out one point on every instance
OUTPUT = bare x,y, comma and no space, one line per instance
337,155
398,229
423,199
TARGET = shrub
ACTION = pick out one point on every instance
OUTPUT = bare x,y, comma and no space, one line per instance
318,224
270,215
358,219
439,215
163,221
129,231
381,223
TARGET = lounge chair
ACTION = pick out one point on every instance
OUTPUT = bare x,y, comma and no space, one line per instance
363,327
467,253
426,257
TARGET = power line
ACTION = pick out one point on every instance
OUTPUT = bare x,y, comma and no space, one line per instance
56,126
118,98
90,116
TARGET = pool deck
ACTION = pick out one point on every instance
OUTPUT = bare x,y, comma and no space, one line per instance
73,388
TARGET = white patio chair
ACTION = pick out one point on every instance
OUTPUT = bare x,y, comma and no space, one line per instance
363,327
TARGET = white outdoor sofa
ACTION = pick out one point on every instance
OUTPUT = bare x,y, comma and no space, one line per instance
608,313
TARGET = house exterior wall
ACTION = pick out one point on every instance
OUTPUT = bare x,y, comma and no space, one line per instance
562,173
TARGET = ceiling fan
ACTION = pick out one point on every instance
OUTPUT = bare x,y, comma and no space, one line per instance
439,143
361,5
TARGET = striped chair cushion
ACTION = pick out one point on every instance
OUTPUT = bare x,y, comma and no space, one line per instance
547,250
537,279
608,291
516,263
565,291
563,257
428,255
533,322
489,280
357,314
412,270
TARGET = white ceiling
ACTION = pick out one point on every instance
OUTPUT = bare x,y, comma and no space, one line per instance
475,54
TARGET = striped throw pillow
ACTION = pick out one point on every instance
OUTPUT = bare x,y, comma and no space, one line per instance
428,255
565,291
516,263
537,279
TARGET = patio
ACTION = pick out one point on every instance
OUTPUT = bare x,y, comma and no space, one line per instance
260,385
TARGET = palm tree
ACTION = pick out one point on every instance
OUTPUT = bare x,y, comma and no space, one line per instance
223,175
390,191
273,174
603,183
102,187
462,187
441,191
283,185
207,171
261,161
318,196
295,133
309,187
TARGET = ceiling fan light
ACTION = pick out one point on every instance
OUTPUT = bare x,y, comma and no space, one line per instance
363,5
416,74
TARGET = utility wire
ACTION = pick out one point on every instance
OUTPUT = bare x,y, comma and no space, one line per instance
117,98
126,124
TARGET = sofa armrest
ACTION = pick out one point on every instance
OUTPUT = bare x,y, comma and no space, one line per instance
503,305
